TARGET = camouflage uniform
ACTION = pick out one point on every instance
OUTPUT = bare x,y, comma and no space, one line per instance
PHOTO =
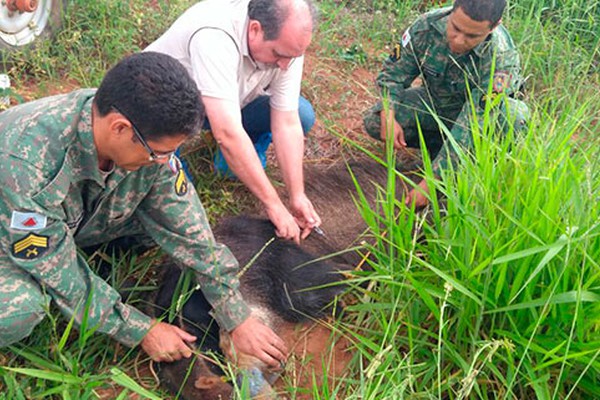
447,79
54,197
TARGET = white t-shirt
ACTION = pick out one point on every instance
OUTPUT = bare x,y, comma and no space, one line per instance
210,40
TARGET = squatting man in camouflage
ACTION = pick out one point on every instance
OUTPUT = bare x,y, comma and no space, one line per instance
456,51
91,166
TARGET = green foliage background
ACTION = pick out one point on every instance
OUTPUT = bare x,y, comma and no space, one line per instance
492,293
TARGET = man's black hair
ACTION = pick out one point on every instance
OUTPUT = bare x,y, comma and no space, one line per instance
482,10
273,13
155,92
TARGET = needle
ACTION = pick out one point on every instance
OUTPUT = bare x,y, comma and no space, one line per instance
319,231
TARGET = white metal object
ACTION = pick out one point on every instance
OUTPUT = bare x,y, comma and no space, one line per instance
4,85
20,28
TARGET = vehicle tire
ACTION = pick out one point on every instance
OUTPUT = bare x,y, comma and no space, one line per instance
22,29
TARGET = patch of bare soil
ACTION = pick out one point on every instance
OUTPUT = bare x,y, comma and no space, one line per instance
340,93
317,357
33,90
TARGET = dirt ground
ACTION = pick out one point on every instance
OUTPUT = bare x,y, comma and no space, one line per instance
340,93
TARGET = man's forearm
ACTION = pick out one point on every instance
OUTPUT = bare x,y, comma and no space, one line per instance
289,148
288,139
245,164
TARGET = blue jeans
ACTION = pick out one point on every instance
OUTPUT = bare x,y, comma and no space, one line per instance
256,120
256,117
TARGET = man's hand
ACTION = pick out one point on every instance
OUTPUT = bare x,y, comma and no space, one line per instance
418,197
303,218
305,214
285,225
254,338
165,342
398,139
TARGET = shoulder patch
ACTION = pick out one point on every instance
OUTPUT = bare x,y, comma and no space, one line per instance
395,54
174,164
27,221
30,247
406,38
501,81
181,184
396,51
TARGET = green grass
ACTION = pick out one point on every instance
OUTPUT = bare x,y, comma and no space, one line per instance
493,292
497,293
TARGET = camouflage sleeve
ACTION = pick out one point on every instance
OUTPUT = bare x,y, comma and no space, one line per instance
180,227
402,66
500,73
38,241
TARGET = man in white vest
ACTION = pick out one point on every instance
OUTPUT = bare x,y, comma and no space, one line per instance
246,57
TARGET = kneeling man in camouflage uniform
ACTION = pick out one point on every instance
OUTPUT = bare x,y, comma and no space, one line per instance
457,52
94,165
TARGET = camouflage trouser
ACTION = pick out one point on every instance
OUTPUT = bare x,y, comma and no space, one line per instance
24,302
417,105
414,107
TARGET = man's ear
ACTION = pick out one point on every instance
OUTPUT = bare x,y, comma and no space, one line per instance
254,30
118,125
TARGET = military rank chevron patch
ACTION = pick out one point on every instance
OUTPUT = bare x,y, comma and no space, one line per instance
30,247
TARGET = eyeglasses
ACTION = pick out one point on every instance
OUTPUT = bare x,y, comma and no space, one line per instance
153,156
